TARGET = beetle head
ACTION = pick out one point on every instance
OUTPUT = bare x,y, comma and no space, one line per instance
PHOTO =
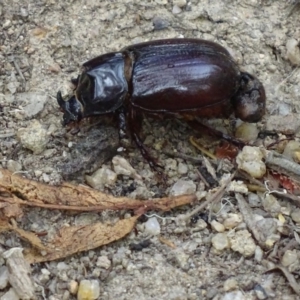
250,100
72,109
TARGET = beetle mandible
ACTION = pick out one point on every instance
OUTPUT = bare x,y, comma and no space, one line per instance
176,77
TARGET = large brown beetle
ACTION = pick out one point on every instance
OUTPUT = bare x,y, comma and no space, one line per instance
179,77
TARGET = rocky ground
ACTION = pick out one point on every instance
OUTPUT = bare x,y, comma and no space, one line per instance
42,45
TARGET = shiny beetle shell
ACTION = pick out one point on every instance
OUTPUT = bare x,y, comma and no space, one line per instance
180,77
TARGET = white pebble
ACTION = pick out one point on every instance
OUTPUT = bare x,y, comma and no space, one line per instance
242,242
232,221
289,257
103,262
3,277
101,178
123,167
250,160
230,285
10,295
293,51
182,187
73,287
152,226
88,290
220,242
259,254
217,226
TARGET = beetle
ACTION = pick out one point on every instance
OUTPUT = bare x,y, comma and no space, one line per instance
171,77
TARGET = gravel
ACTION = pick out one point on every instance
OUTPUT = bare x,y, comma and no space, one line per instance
42,45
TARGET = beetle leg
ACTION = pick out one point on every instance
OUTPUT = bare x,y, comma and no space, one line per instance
197,125
123,127
135,123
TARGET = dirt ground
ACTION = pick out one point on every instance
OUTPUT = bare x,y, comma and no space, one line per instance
43,44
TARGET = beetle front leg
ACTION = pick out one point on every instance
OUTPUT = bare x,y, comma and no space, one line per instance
122,122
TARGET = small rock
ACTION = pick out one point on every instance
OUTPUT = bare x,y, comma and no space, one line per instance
88,290
32,103
152,226
232,221
179,3
293,51
259,254
103,262
160,23
182,168
10,295
237,187
182,187
289,257
6,24
176,10
123,167
291,150
250,160
101,178
295,215
236,295
220,242
179,258
254,200
248,132
217,226
271,204
230,285
141,192
3,277
13,166
73,287
242,242
288,124
34,137
260,292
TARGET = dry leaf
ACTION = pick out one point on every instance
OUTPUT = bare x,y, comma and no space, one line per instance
71,240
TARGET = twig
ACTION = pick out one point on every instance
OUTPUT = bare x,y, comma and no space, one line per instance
18,69
215,197
204,151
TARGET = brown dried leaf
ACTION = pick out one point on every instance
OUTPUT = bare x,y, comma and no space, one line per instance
71,240
73,197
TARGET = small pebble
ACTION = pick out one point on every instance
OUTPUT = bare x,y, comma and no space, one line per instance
271,204
236,295
34,137
123,167
230,285
291,150
289,257
152,226
101,178
182,187
259,254
14,166
73,287
220,242
250,160
232,221
237,187
179,3
10,295
160,23
288,124
182,168
217,226
3,277
176,10
293,51
103,262
295,215
242,242
88,290
248,132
